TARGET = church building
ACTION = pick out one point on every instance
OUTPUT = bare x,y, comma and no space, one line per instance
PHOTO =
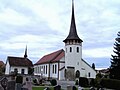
63,64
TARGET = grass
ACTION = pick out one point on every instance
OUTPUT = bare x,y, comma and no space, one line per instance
41,88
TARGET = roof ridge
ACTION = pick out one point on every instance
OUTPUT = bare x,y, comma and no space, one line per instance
57,55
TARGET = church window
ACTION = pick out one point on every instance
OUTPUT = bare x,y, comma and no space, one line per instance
53,68
46,69
70,49
77,49
89,74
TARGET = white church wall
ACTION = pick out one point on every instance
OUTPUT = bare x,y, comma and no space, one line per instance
73,58
19,69
42,70
89,71
7,68
61,72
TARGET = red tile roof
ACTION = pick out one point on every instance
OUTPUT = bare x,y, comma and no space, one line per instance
52,57
19,61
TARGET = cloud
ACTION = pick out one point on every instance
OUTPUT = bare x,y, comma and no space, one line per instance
44,24
98,52
14,18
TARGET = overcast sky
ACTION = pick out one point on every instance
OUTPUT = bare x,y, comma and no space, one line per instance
42,25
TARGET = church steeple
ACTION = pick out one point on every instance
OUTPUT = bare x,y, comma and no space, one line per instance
25,55
73,32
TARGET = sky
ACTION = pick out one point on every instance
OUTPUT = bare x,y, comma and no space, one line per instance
42,25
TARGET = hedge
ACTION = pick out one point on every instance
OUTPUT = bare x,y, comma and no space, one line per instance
110,83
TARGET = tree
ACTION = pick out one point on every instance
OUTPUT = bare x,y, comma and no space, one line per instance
115,60
93,66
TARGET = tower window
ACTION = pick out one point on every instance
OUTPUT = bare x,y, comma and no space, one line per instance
77,49
70,49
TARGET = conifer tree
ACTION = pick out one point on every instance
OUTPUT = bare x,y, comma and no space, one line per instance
115,60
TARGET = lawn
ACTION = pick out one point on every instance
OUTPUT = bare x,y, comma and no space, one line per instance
41,88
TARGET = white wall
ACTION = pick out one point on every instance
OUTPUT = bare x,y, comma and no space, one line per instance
87,70
73,59
7,68
19,69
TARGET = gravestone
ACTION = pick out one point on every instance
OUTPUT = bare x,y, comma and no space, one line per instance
27,84
92,88
74,88
1,88
4,83
69,87
11,85
79,88
58,87
18,86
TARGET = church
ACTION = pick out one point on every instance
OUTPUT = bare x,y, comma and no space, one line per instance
65,63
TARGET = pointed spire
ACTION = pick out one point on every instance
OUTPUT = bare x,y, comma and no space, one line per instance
73,32
25,55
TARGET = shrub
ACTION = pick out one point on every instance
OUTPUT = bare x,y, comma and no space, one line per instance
92,82
76,82
83,82
110,83
53,82
19,79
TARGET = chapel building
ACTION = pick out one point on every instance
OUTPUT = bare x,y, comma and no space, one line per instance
63,64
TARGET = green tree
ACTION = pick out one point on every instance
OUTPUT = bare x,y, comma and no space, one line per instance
93,66
115,60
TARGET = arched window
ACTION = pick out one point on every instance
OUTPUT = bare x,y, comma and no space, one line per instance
89,74
55,68
77,74
77,49
70,49
46,69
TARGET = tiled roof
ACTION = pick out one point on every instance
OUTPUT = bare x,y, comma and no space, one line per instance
52,57
19,61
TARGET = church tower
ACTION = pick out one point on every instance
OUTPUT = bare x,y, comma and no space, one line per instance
25,55
73,47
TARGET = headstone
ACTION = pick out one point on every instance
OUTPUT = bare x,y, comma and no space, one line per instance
92,88
11,85
1,88
58,87
4,83
69,87
74,88
28,85
79,88
18,86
